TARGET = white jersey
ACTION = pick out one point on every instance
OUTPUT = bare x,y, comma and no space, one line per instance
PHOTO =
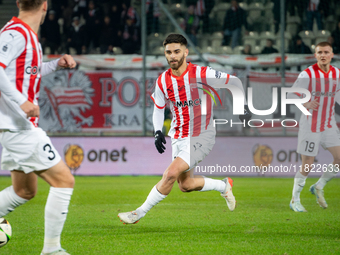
184,94
21,57
324,87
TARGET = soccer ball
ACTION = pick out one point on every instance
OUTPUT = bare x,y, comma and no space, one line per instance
5,232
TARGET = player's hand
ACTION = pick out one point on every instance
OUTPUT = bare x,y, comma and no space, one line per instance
160,141
67,61
30,109
314,105
246,116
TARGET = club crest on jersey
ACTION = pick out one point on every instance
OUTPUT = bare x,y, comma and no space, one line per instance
5,48
186,103
218,74
32,70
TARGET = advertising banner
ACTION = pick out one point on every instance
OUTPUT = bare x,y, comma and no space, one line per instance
102,101
230,156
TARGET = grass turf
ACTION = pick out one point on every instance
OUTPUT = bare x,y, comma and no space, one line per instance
183,223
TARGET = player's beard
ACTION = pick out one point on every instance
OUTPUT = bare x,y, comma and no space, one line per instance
177,65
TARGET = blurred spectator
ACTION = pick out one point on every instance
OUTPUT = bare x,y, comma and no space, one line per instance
298,4
59,6
200,8
277,14
93,25
114,15
234,19
107,36
67,15
129,30
152,16
191,24
80,8
50,33
336,50
76,37
312,13
130,37
298,46
335,39
246,50
209,5
269,49
128,12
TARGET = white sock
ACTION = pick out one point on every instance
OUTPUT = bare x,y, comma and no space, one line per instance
56,210
327,176
299,183
9,200
211,184
153,199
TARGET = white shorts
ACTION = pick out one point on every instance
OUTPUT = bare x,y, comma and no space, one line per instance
308,142
27,150
192,150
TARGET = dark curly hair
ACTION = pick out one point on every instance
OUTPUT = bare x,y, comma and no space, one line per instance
175,38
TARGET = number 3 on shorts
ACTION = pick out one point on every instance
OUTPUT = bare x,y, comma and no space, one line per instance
49,148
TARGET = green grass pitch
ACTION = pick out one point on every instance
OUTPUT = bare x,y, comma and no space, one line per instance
183,223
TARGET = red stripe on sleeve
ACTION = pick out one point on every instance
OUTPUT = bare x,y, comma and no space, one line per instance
333,89
159,83
34,70
20,62
209,106
195,96
228,76
317,88
172,98
159,107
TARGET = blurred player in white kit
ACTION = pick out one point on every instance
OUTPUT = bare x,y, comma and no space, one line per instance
27,150
192,134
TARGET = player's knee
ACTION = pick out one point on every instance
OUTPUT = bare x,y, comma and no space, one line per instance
67,179
337,160
70,181
27,194
171,175
184,187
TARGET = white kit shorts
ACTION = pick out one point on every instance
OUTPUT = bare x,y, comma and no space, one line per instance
308,142
27,150
192,150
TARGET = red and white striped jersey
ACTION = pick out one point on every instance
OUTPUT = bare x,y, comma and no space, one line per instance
21,57
323,87
313,5
184,94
